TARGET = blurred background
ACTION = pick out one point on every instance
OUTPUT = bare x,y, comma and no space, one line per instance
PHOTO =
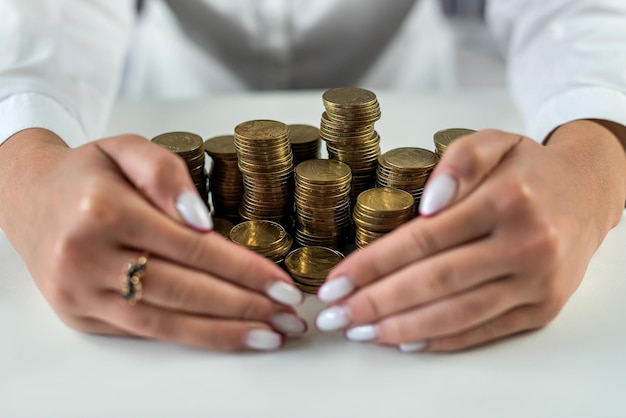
479,63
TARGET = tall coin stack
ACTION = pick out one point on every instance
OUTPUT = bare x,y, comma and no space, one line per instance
305,143
266,164
379,211
406,169
188,146
309,266
225,180
266,238
445,137
347,126
322,197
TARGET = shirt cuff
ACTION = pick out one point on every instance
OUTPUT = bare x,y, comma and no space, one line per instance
577,104
33,110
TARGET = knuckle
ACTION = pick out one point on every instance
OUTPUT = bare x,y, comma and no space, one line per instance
465,160
156,326
255,309
61,296
96,208
424,240
373,305
443,280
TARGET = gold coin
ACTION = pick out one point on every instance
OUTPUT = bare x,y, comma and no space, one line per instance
323,171
409,158
303,134
261,130
179,142
384,199
221,146
312,262
348,96
222,227
258,234
445,137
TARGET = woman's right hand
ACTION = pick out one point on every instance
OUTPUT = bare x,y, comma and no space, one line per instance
77,216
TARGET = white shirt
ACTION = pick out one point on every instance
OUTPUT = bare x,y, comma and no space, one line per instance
63,63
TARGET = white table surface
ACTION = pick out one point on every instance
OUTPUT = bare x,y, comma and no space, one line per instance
575,367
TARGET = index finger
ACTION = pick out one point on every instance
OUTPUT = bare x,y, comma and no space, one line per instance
420,238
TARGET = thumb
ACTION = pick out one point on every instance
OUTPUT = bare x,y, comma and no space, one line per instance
465,164
161,176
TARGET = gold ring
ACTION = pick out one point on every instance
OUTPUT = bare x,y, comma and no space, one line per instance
132,287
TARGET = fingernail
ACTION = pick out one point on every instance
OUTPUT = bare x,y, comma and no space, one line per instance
285,293
263,340
362,333
332,319
438,194
288,323
335,289
412,347
194,211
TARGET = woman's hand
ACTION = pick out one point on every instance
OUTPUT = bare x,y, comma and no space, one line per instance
77,216
510,230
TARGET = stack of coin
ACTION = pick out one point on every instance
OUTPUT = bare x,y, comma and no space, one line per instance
266,238
305,143
379,211
222,227
322,197
444,138
406,169
309,266
225,180
347,126
266,163
188,146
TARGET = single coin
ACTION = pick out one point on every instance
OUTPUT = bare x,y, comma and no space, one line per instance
384,199
410,158
348,96
445,137
312,262
179,142
258,234
222,227
261,130
323,171
223,145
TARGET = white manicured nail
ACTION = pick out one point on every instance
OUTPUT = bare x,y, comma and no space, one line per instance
438,194
194,211
412,347
285,293
288,323
263,340
332,319
362,333
335,289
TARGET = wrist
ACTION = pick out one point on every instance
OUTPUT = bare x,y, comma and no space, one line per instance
25,158
595,152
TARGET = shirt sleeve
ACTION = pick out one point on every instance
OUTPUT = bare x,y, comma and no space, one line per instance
61,64
566,59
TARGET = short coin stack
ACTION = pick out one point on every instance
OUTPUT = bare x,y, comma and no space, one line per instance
322,197
347,126
225,180
188,146
266,238
305,143
309,266
445,137
406,169
266,163
379,211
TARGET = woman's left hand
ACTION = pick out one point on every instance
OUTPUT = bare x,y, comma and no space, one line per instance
507,230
